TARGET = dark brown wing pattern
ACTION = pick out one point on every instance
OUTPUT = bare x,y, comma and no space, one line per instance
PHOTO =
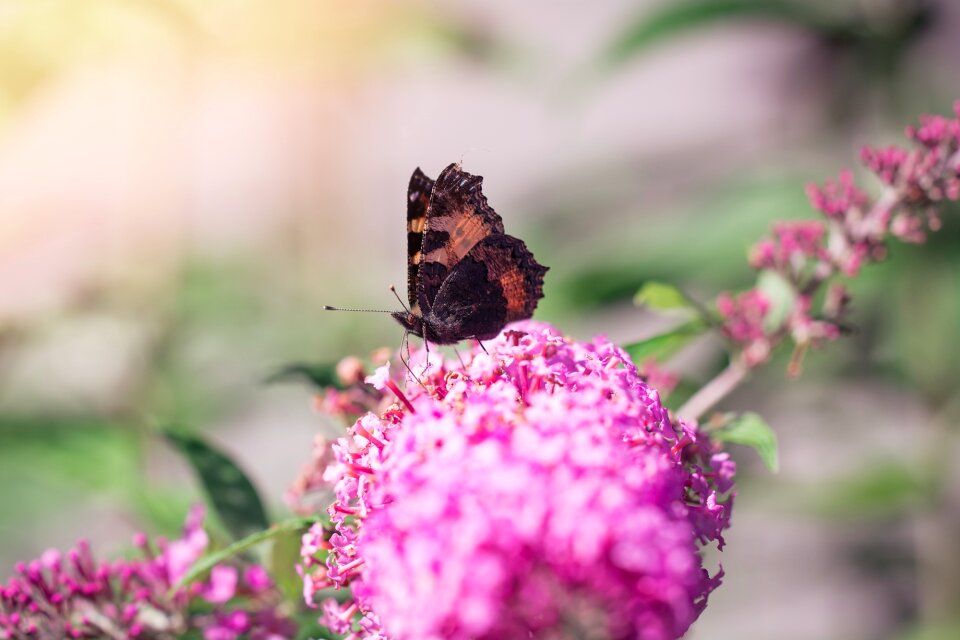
497,282
458,217
418,201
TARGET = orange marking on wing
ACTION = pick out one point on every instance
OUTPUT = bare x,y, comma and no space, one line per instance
464,231
514,291
417,225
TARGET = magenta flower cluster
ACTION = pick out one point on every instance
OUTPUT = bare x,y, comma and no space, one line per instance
73,595
538,489
853,231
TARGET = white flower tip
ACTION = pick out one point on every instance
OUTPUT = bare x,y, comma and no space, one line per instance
379,377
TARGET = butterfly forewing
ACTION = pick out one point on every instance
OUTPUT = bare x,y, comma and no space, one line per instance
418,201
457,219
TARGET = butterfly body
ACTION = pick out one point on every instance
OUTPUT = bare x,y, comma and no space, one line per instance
466,278
436,330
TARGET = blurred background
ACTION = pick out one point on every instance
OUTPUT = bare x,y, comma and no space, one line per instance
184,184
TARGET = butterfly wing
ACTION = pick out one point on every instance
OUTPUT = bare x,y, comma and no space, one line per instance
497,282
457,219
418,200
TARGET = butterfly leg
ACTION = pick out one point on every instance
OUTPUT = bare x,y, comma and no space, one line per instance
426,347
456,351
481,346
406,362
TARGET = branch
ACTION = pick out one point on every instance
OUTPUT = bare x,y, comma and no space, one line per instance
714,391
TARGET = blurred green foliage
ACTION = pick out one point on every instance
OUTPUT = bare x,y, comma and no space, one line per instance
267,534
887,487
862,43
699,244
65,458
662,346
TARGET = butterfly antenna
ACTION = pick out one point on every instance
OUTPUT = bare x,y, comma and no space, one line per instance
327,307
393,290
471,150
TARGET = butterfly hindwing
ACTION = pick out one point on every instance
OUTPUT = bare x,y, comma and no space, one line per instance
457,219
497,282
418,201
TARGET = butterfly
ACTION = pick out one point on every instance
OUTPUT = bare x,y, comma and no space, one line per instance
466,278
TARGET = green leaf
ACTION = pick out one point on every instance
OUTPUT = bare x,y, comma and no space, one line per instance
284,555
230,491
781,295
319,374
661,296
751,430
662,346
674,17
207,562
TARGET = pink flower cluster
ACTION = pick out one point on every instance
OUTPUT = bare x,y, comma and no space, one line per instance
743,322
928,173
807,254
538,489
793,246
75,596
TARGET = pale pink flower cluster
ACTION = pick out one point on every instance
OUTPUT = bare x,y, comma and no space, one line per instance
791,249
743,322
658,377
538,490
806,254
75,596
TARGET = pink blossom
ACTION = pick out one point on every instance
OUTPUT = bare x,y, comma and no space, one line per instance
179,555
257,579
835,199
270,624
744,314
222,584
228,626
885,162
805,329
807,254
73,595
350,371
792,248
541,488
661,379
356,396
935,130
379,377
743,322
